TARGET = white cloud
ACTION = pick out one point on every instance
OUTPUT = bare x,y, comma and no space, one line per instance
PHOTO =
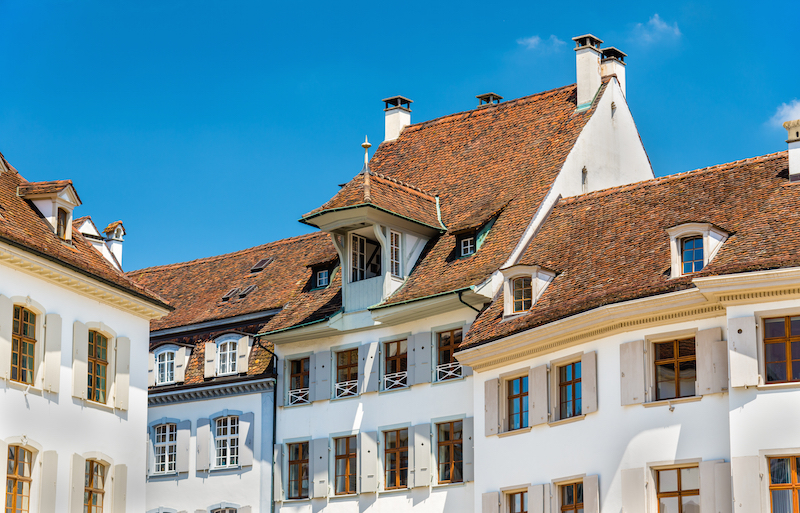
786,112
656,29
537,43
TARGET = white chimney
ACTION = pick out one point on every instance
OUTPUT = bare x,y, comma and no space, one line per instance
114,233
793,128
398,116
587,63
613,63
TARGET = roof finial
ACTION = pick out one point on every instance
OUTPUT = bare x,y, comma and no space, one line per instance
366,145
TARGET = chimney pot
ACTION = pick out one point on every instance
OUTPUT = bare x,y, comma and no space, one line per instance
793,130
613,63
488,98
397,114
587,63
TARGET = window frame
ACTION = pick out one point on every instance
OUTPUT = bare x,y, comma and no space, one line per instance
399,360
19,335
451,445
322,278
677,359
395,253
62,223
467,245
352,372
300,463
575,506
574,382
94,362
17,478
451,369
170,448
230,439
522,397
693,261
89,483
159,363
522,308
787,339
351,465
358,258
679,493
232,364
399,452
509,501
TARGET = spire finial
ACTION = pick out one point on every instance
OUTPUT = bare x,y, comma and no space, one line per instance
366,145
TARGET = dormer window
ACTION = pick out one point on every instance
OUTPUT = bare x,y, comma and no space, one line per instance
691,254
365,258
693,246
523,294
523,285
55,201
322,278
61,226
395,253
467,245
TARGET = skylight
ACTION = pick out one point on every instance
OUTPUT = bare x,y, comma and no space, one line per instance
228,295
261,264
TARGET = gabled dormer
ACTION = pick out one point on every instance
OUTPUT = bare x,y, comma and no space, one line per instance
55,200
108,243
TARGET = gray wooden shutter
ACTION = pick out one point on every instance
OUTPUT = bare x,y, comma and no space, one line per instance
182,356
536,499
319,467
591,494
323,363
490,502
52,356
588,382
368,453
537,396
77,474
712,362
244,509
312,377
422,455
411,360
247,433
743,351
123,377
6,329
150,451
746,479
210,360
281,369
422,357
151,370
49,479
203,441
111,373
184,437
363,356
633,490
277,469
490,401
372,367
722,488
631,366
80,360
243,354
468,449
120,491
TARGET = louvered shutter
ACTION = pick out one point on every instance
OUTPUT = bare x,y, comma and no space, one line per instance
468,449
243,354
52,356
210,360
6,329
120,491
490,502
589,382
537,396
49,480
319,468
323,388
151,370
203,441
743,350
422,357
182,442
746,480
591,494
712,362
633,490
491,392
422,455
277,469
76,483
123,375
247,433
80,359
631,365
368,453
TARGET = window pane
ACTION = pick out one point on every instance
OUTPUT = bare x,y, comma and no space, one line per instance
668,481
686,347
795,350
776,352
690,478
567,495
690,504
665,351
795,371
776,371
668,505
774,328
794,326
782,501
780,471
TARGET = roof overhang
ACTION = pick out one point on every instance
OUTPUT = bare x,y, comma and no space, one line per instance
345,219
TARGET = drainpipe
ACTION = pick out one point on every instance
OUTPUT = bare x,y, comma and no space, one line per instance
462,300
257,340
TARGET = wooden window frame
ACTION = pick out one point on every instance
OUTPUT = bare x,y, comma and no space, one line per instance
523,500
95,363
395,253
442,350
695,492
575,382
693,261
787,339
24,340
522,397
303,375
358,257
166,444
227,367
168,367
90,490
676,360
226,444
14,478
524,303
398,362
351,464
300,464
62,223
576,505
350,368
398,452
450,445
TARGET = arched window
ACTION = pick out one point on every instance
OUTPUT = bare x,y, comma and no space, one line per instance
18,480
523,294
226,357
96,384
23,340
692,254
165,363
94,487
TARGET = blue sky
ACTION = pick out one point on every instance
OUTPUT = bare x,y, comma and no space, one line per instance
209,127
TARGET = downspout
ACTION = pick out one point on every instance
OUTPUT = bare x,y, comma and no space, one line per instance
462,300
257,340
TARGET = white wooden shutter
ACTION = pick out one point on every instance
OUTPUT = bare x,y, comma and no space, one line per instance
368,453
422,357
77,474
422,456
203,441
323,388
6,329
150,451
123,376
4,466
591,494
277,469
746,479
182,442
244,509
242,354
712,362
588,382
210,360
490,502
633,490
52,356
722,488
182,356
537,499
319,467
247,433
49,479
537,396
631,366
120,491
80,360
490,400
708,485
743,350
468,449
111,372
151,370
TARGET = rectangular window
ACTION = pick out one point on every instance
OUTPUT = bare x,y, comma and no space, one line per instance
782,349
23,339
322,278
517,403
61,224
358,258
523,294
226,441
395,364
572,497
679,490
395,458
569,390
298,471
676,368
165,362
345,465
395,253
166,448
347,373
518,502
450,445
299,381
467,246
94,487
18,480
226,357
692,254
97,367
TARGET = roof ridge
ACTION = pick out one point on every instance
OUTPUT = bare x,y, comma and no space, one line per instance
401,183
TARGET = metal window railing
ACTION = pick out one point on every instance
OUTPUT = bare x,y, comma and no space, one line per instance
299,396
447,371
346,389
395,380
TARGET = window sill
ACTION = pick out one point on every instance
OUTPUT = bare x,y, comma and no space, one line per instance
670,402
222,469
345,398
163,475
448,485
778,386
296,405
451,380
559,422
515,432
343,496
396,389
24,387
396,490
302,499
95,404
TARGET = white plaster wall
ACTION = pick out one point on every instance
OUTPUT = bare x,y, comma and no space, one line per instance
67,425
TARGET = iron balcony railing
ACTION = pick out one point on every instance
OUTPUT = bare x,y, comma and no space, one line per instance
346,389
395,380
299,396
447,371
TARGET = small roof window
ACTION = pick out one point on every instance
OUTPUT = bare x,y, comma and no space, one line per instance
261,264
228,295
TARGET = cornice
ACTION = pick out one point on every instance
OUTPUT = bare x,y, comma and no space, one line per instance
202,393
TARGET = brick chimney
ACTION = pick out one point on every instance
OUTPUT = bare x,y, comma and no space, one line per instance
793,129
613,63
397,115
587,63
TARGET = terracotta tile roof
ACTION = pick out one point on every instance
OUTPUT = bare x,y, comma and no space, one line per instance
309,307
612,246
50,187
22,225
113,226
196,288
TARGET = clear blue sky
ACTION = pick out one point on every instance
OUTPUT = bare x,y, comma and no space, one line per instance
209,127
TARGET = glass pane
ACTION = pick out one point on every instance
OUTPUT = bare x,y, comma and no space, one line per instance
690,478
795,350
668,481
794,326
577,370
668,505
665,351
686,347
776,372
690,504
579,487
666,390
795,371
782,501
776,352
567,495
774,328
780,471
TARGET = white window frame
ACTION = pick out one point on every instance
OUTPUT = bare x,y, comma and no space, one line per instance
162,445
227,441
229,367
395,253
468,246
713,240
355,253
323,278
540,279
169,374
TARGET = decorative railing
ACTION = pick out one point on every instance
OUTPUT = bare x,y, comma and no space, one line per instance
299,396
395,380
346,389
447,371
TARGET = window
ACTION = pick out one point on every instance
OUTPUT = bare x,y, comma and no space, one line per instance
298,471
299,381
572,497
396,458
395,253
61,224
569,390
358,261
347,373
467,245
523,294
676,368
784,485
322,278
518,502
692,254
450,446
345,465
517,403
678,490
166,448
395,364
97,367
447,367
165,363
226,357
226,441
782,349
23,339
225,510
94,486
18,480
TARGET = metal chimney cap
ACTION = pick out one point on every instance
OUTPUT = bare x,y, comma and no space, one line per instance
488,98
587,40
398,102
614,53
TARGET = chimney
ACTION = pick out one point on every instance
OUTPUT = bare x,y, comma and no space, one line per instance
613,63
398,115
793,129
489,99
587,63
114,233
